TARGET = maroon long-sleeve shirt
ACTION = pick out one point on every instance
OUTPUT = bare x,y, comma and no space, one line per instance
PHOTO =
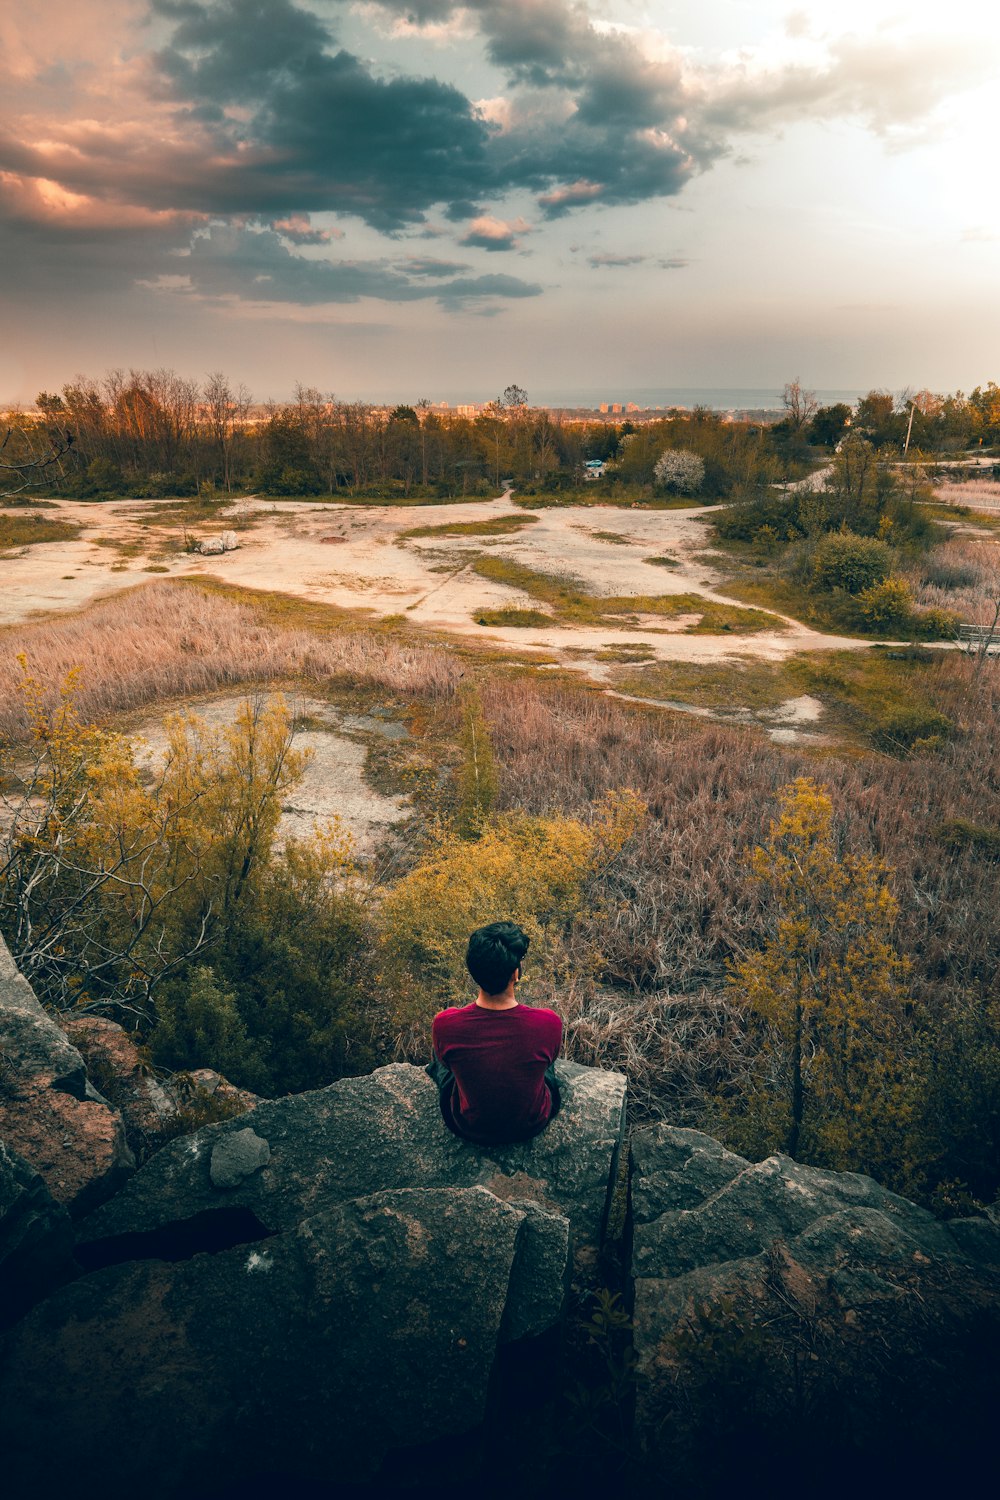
499,1058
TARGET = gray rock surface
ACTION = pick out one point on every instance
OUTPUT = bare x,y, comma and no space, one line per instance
49,1113
804,1276
35,1047
379,1132
370,1325
236,1156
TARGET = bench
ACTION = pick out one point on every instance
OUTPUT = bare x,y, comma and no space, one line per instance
980,635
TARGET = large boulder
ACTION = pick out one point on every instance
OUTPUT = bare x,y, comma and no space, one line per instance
116,1066
772,1296
365,1135
370,1325
36,1237
302,1289
50,1114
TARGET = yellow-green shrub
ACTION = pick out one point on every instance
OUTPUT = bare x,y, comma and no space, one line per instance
527,870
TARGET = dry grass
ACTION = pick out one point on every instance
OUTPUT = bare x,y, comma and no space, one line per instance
974,492
961,575
492,526
678,906
168,641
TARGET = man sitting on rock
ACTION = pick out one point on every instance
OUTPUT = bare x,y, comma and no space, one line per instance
494,1059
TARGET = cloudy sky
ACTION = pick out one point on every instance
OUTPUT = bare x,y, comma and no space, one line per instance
407,198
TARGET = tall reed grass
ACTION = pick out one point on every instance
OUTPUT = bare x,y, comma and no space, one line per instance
678,907
167,641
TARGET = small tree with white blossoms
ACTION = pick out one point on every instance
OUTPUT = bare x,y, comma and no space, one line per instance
677,469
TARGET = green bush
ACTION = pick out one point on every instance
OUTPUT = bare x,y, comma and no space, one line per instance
852,563
936,624
907,729
776,509
199,1026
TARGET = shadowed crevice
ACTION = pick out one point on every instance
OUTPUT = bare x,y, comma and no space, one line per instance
205,1233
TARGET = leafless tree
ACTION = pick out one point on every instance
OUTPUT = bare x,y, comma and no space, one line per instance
800,404
31,459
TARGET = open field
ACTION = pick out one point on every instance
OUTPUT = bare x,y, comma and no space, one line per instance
635,576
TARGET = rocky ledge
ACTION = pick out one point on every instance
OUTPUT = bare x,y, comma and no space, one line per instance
324,1284
258,1287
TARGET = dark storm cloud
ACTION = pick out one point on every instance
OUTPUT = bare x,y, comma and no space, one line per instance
314,128
605,114
426,265
251,112
310,126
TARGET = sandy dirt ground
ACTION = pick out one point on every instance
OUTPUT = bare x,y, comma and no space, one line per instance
357,558
333,786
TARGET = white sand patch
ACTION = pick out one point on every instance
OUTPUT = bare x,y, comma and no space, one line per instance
804,710
333,785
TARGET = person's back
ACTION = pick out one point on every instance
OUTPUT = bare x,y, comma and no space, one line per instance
493,1058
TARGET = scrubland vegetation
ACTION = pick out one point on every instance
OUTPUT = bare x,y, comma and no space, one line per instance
771,942
570,603
791,948
166,641
846,556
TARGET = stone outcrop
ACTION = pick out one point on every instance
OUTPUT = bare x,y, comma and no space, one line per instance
370,1326
318,1285
814,1291
331,1275
380,1132
116,1066
36,1237
50,1114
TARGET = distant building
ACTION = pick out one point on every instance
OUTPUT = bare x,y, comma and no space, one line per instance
603,408
632,407
616,408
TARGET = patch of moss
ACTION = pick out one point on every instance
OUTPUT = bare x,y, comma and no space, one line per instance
28,530
492,526
572,604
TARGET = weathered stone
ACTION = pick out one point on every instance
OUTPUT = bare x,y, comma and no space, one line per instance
236,1157
36,1237
537,1289
35,1048
824,1281
371,1325
49,1112
384,1131
115,1065
205,1083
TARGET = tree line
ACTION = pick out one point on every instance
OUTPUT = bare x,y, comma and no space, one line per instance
152,433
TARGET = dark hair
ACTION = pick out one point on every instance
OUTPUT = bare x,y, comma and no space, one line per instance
494,952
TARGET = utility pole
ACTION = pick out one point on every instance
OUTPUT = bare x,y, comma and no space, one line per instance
909,427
